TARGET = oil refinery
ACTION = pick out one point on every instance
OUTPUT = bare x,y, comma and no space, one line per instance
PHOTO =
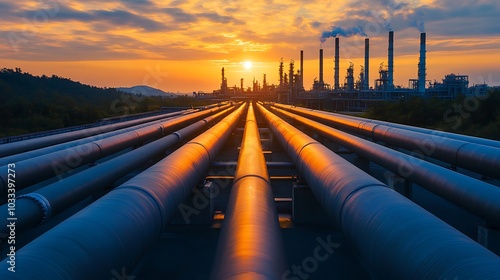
353,93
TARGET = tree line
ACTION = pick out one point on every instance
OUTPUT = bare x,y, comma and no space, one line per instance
31,103
472,115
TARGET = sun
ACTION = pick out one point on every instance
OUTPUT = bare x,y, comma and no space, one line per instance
247,65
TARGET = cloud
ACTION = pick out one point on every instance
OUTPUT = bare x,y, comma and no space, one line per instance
344,32
125,18
215,17
4,6
117,18
179,15
273,26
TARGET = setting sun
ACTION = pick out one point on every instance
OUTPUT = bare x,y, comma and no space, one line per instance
247,65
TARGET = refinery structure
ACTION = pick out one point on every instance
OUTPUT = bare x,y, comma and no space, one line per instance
354,92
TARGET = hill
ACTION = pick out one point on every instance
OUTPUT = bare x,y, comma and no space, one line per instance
146,91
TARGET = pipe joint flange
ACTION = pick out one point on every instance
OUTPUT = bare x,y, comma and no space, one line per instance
42,202
178,135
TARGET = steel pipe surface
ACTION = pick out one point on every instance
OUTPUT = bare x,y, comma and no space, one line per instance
63,194
40,142
78,142
37,169
114,232
395,237
471,194
479,158
250,245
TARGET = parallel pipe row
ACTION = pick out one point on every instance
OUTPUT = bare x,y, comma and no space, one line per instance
113,233
474,195
45,141
37,207
432,132
479,158
250,244
61,146
395,237
37,169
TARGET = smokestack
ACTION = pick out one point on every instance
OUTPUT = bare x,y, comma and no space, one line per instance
391,60
320,66
337,61
301,69
366,82
281,72
421,65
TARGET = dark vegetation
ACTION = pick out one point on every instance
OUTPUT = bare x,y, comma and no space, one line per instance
471,115
30,103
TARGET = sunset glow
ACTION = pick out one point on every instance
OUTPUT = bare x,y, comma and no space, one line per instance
247,65
182,45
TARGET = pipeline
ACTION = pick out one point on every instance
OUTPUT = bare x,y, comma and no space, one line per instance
431,132
45,141
78,142
113,233
484,160
37,169
37,207
395,237
475,196
250,241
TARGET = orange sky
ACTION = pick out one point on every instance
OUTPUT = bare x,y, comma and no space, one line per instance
181,46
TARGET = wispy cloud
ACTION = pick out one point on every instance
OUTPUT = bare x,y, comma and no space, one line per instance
193,29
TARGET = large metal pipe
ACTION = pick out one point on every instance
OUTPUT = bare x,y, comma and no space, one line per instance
432,133
114,232
481,159
366,81
57,147
337,65
471,194
250,242
34,170
40,142
422,65
37,207
321,67
301,86
395,237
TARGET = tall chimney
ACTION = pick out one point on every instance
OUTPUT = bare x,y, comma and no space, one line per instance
321,66
421,65
391,61
301,85
366,82
281,73
337,61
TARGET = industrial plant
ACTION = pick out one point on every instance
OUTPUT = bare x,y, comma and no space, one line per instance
353,93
